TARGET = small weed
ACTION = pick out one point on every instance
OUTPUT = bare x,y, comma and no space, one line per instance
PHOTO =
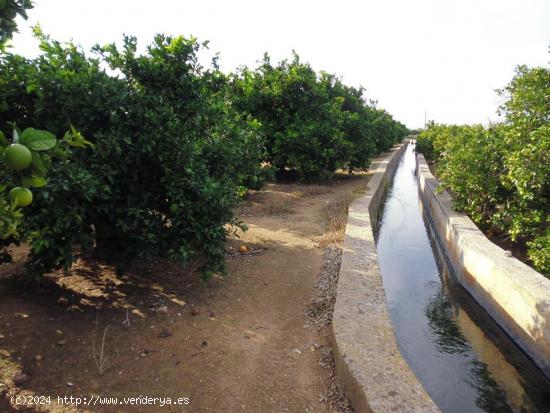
98,352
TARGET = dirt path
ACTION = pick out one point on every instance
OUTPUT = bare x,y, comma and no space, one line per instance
241,344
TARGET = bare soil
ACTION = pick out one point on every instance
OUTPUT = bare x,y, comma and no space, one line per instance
255,341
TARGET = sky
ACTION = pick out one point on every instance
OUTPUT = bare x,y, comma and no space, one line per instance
437,58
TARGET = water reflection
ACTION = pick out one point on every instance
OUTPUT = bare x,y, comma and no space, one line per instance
446,338
447,331
500,386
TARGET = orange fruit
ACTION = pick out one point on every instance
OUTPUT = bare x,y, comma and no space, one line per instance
20,196
18,156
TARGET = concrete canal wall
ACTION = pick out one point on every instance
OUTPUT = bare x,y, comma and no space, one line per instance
515,296
368,362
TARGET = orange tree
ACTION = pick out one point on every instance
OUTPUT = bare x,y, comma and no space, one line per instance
176,145
10,214
171,157
526,142
301,122
24,163
312,123
9,10
24,156
501,175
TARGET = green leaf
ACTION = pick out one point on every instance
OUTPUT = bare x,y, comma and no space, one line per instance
34,181
74,138
32,87
3,140
37,140
39,165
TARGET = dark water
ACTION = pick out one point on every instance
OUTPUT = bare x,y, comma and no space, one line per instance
463,359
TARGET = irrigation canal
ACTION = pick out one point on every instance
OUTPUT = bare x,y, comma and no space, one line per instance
463,359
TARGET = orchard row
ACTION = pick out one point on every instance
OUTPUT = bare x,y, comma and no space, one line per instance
160,149
500,175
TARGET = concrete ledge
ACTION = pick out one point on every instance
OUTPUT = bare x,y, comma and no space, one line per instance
515,296
368,362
